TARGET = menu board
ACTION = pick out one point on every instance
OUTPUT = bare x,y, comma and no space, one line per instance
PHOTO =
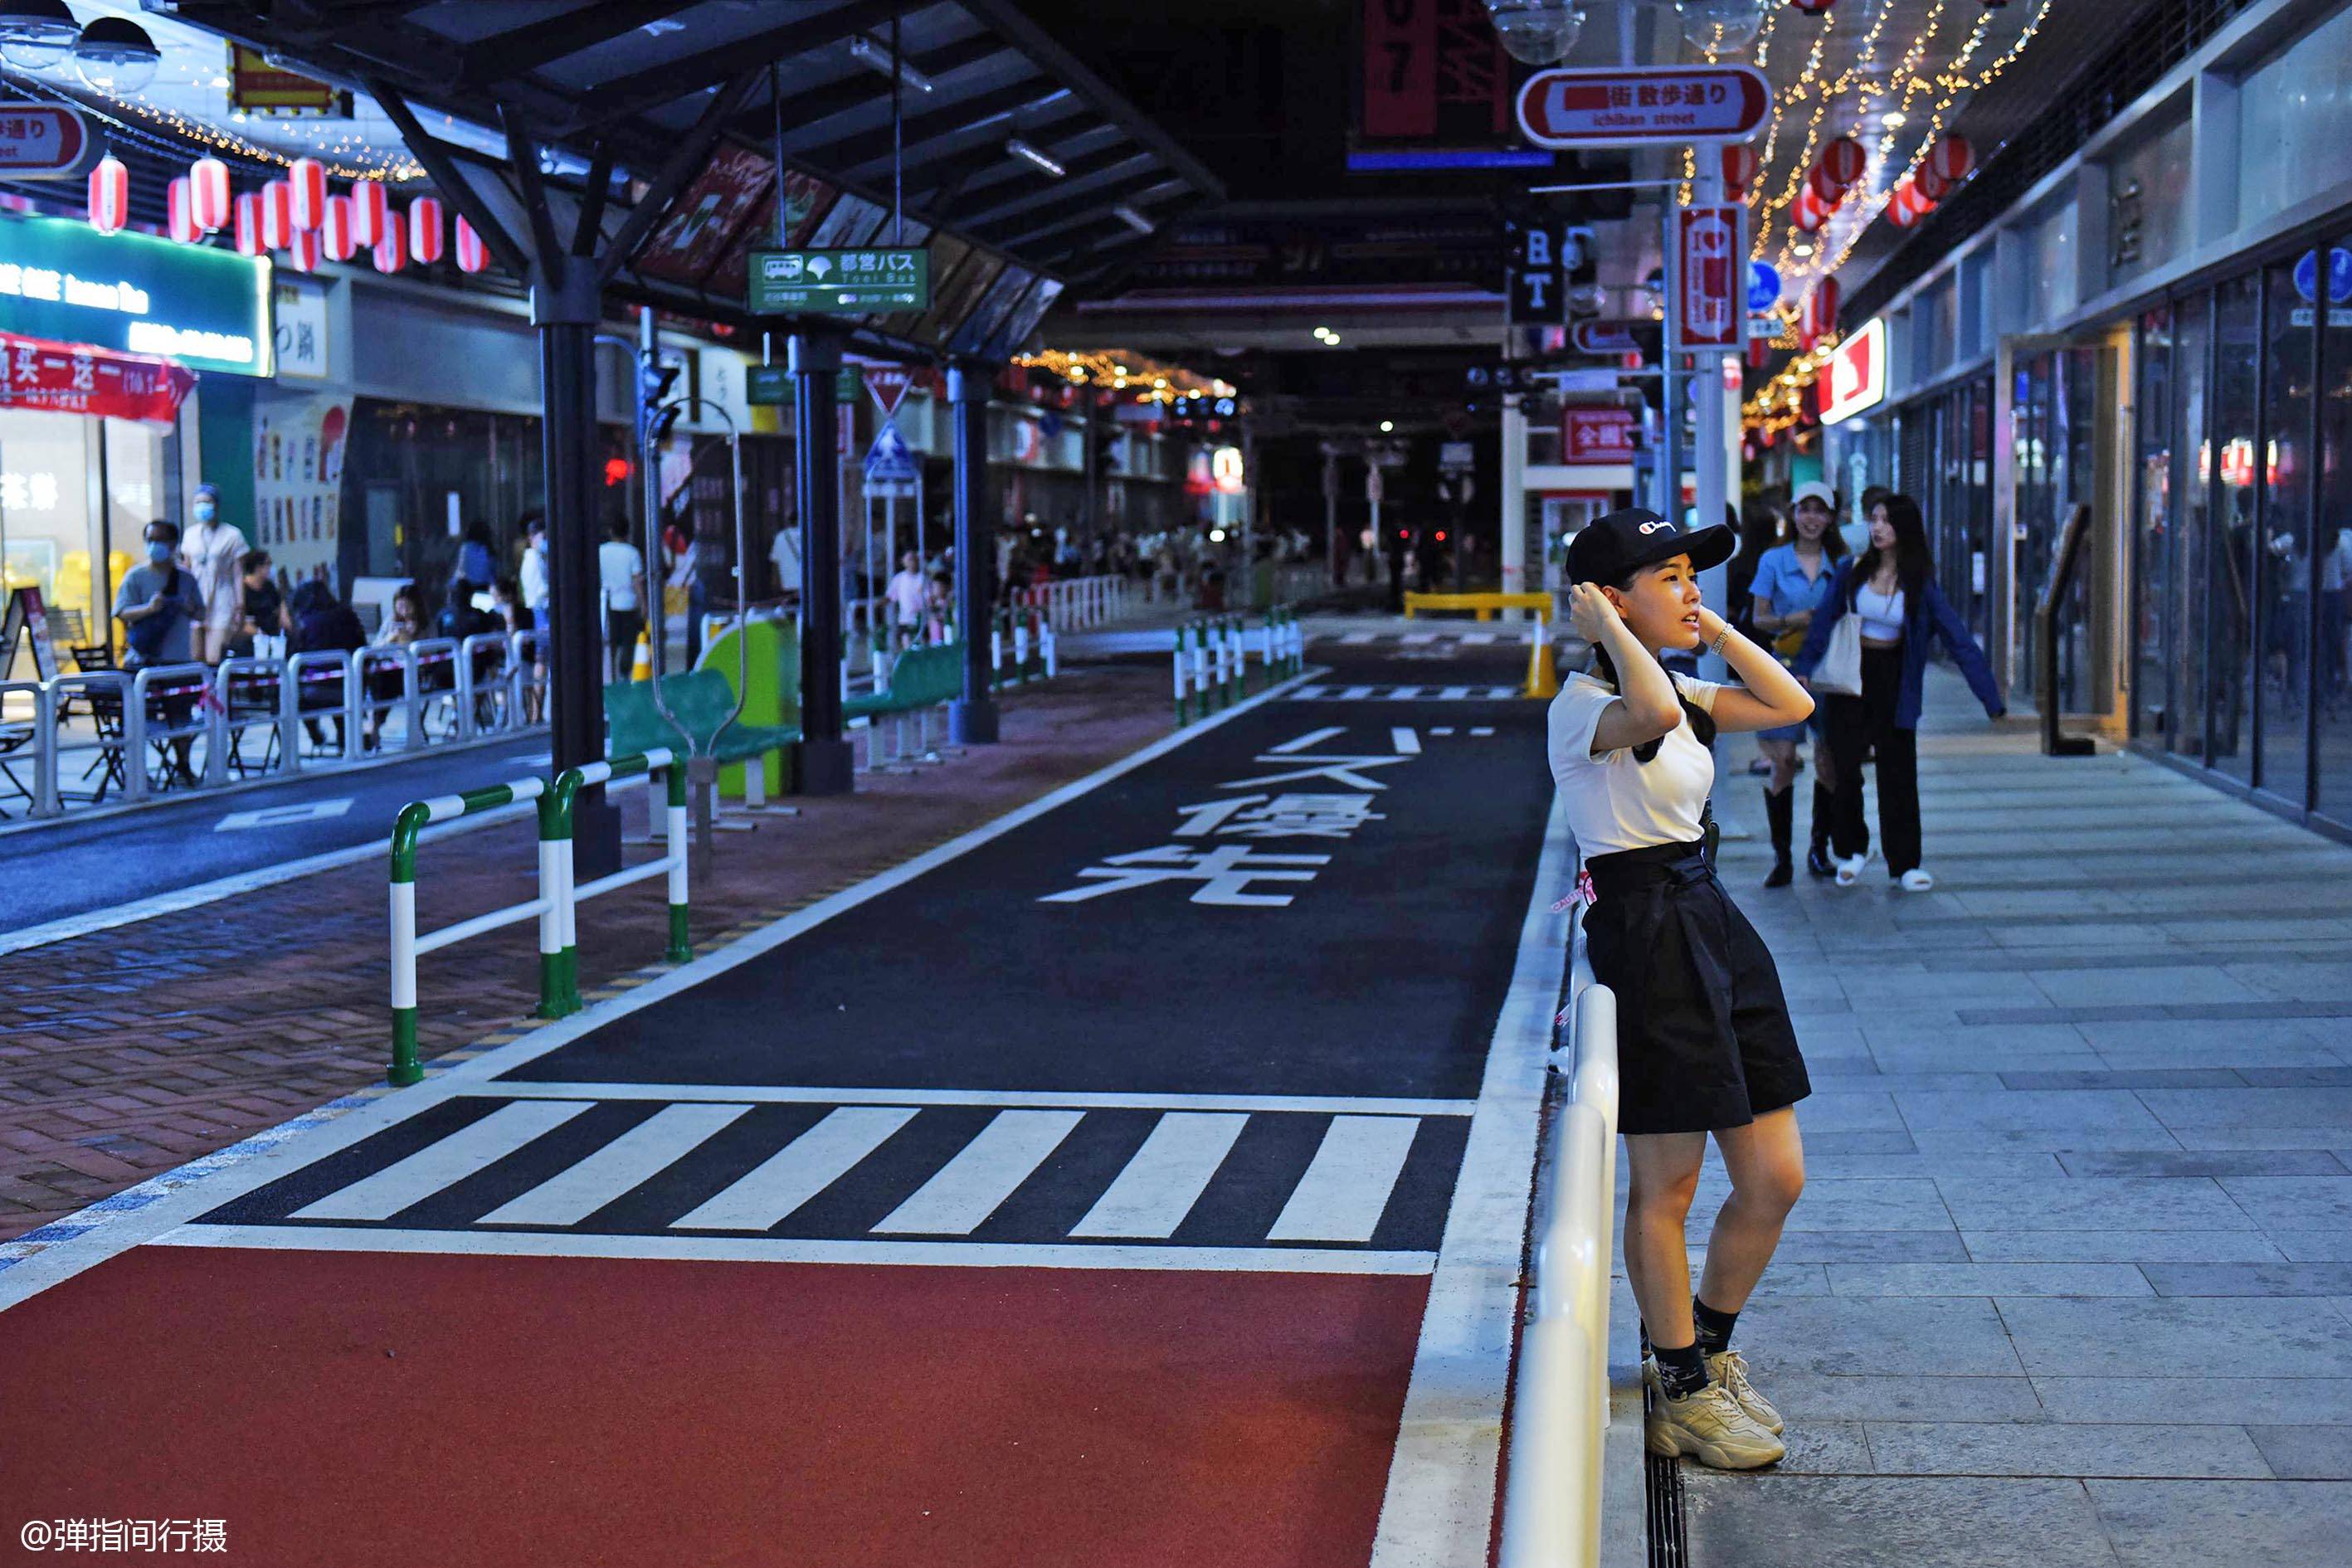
989,316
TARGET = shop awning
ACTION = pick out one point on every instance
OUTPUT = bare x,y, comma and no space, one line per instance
71,378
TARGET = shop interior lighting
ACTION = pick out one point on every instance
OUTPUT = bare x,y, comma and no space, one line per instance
37,34
1133,219
1031,155
114,53
876,59
1387,427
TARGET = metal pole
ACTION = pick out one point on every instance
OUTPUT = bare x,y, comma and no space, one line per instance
827,761
971,718
564,296
1670,445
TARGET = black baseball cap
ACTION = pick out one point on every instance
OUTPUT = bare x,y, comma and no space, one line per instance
1614,547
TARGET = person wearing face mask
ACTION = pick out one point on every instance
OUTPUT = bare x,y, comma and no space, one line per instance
160,608
213,552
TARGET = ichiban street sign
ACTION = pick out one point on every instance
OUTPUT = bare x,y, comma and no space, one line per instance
1710,285
842,282
1644,107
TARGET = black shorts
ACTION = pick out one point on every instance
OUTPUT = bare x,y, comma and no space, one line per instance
1703,1040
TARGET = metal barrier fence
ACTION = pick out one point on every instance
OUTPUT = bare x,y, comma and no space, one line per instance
1211,658
556,904
137,733
1552,1493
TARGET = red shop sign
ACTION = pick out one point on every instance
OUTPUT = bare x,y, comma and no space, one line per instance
1596,433
64,379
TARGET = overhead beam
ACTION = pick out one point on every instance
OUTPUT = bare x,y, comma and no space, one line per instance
453,182
522,155
665,83
1036,222
1086,178
684,162
513,55
973,113
863,86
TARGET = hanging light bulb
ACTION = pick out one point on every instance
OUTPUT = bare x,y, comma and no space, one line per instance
1536,32
1721,27
115,55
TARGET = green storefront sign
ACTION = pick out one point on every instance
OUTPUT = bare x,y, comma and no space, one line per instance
770,386
865,281
206,307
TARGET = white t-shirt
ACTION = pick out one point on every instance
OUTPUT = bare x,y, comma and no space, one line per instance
908,592
619,565
1614,802
534,578
210,553
784,550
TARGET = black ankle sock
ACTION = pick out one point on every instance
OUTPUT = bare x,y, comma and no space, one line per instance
1713,1327
1681,1372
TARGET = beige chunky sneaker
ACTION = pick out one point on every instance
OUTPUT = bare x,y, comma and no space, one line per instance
1711,1427
1730,1369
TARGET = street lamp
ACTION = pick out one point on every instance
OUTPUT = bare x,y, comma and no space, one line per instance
1721,27
37,34
1536,32
114,55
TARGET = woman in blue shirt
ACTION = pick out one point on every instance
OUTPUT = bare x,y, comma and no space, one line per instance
1892,591
1792,581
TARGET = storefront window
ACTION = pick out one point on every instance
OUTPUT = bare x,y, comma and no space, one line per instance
2284,559
49,480
2334,796
2192,491
2230,593
2152,526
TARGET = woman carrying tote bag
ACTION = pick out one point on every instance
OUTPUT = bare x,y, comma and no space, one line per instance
1874,633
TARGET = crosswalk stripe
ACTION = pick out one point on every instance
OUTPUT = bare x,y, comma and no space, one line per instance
1418,640
1476,639
800,1170
1357,639
1354,693
1454,693
1403,693
637,1155
1346,1186
1160,1186
970,1187
443,1163
1406,742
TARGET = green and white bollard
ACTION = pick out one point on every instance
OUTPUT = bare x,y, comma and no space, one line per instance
1182,716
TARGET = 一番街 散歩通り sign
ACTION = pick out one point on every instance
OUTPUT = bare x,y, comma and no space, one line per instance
64,281
849,282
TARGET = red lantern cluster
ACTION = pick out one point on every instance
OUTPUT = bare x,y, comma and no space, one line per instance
295,216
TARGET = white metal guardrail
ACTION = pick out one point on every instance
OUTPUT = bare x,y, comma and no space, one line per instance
83,739
1551,1496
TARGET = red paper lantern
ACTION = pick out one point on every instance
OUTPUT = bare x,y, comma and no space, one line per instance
1822,312
1952,158
276,214
1932,186
1807,211
1920,203
472,254
1844,161
305,182
208,197
179,221
1812,7
110,195
424,230
335,229
303,253
369,210
1899,210
1739,165
248,224
391,250
1824,188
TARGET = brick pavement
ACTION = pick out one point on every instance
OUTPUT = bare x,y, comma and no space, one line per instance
127,1052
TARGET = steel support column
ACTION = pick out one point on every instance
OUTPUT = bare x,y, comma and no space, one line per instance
971,718
827,766
564,296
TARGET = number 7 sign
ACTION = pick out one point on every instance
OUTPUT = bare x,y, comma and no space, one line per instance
1710,277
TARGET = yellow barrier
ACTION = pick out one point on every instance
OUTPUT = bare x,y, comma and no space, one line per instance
1484,603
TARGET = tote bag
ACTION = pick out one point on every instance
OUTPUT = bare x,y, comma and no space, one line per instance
1841,667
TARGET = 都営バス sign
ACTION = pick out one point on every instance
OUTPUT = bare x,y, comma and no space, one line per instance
854,283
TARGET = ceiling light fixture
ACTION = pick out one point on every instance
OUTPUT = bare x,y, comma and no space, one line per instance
1133,219
115,55
37,34
1029,155
876,59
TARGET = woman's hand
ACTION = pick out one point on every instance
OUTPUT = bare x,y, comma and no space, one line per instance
1710,626
1589,611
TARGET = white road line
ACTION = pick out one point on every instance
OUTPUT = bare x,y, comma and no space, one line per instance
1482,729
975,1184
1407,743
1439,1509
1403,693
1476,639
799,1171
772,1094
1418,640
1346,1186
1158,1187
765,1249
1312,737
1356,639
1355,693
1454,693
443,1163
1443,730
637,1156
284,815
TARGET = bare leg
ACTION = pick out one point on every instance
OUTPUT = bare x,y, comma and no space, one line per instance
1766,1162
1662,1171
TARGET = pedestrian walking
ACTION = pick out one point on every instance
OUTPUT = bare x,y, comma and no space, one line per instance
211,551
621,572
907,592
1705,1045
533,576
1791,582
1888,595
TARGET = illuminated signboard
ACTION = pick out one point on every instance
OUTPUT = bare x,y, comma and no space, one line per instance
840,281
1856,377
206,307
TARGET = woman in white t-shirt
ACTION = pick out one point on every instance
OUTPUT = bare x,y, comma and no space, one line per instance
1705,1045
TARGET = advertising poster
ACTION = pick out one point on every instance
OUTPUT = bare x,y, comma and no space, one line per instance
298,477
711,212
956,299
989,316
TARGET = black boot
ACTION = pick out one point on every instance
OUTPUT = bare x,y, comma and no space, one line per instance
1816,856
1778,811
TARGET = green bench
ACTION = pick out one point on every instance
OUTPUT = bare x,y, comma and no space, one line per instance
701,701
923,677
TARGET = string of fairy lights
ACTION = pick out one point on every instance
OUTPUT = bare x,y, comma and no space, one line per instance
1146,379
